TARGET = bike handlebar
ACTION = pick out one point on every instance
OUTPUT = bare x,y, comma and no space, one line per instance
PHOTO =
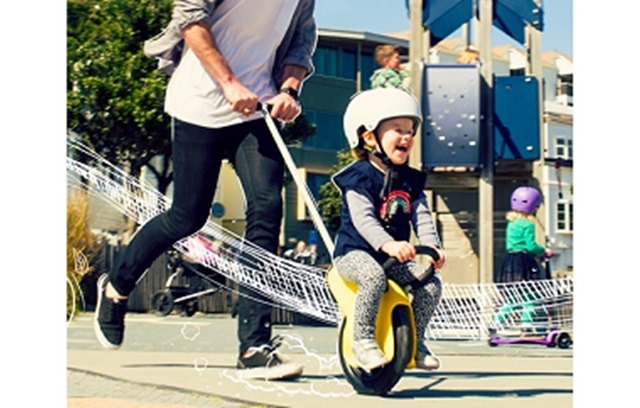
424,276
420,250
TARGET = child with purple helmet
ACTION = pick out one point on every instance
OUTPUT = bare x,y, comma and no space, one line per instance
520,263
522,249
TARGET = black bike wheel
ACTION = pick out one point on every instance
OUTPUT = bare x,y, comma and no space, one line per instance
564,340
380,381
162,302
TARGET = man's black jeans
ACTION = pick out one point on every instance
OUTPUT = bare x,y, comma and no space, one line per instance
197,156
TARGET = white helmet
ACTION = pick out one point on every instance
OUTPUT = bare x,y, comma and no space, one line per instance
369,108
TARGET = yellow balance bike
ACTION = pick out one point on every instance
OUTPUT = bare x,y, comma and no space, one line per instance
395,329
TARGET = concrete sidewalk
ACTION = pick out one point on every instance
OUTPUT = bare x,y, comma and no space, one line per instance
172,361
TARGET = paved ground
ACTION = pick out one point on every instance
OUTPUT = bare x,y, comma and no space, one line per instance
175,362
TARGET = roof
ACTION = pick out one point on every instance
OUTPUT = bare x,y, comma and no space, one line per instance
551,56
363,36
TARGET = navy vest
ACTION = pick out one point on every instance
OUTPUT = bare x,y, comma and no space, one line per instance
392,196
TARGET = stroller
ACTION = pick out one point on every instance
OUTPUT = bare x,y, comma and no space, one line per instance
187,282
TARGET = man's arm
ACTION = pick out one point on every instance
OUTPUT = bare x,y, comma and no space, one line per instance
198,38
285,106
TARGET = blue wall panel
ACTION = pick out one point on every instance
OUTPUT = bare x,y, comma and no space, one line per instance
451,111
516,121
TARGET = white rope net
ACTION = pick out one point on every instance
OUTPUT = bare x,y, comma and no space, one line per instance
471,310
466,311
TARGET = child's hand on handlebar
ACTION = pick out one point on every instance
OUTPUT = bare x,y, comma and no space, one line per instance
439,264
401,250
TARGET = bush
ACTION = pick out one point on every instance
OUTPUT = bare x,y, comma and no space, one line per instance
81,248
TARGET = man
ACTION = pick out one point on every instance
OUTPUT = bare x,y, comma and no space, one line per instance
230,55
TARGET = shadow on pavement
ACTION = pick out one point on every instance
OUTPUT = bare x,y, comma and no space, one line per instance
426,392
472,374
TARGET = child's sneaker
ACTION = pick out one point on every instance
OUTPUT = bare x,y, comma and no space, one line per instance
425,359
109,318
266,363
368,355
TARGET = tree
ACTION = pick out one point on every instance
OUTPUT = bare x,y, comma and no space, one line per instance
330,204
115,94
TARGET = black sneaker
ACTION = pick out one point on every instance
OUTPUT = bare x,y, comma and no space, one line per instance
109,318
266,363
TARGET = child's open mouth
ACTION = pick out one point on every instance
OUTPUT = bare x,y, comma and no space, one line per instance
402,148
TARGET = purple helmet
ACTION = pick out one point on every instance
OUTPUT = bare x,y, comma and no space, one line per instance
525,199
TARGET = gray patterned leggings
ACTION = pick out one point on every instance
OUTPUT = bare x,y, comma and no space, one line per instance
362,269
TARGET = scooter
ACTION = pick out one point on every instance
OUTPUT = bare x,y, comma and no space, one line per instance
553,338
395,329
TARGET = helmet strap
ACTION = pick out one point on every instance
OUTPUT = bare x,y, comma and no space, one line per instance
380,153
383,157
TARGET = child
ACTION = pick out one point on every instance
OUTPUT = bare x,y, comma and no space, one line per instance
520,263
382,198
391,74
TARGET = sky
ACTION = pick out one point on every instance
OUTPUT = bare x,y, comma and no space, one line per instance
389,16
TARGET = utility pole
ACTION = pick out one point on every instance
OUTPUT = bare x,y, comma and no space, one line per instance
485,187
416,37
534,68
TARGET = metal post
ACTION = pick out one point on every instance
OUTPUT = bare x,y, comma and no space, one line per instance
485,189
534,68
359,68
466,35
426,45
415,65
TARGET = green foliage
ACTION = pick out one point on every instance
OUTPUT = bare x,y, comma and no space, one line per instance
331,203
298,130
115,94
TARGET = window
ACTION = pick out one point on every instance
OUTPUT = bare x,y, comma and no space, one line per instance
335,62
368,66
325,61
564,216
565,85
348,64
564,148
329,133
517,72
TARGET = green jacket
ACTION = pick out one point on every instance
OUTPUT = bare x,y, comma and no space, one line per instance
521,236
390,78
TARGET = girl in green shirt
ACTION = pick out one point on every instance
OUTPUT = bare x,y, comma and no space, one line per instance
520,263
